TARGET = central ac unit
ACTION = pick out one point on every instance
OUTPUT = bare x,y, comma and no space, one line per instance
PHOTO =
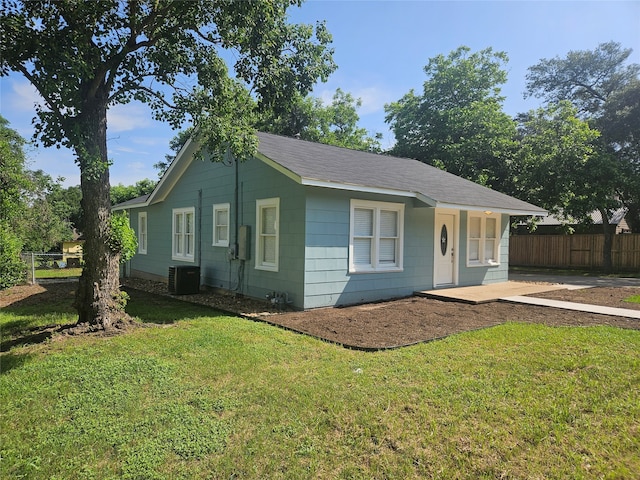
184,279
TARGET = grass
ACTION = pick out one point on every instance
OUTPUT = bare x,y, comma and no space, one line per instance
211,396
633,299
58,272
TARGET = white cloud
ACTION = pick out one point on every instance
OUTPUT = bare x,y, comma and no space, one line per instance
136,166
25,96
127,150
373,98
124,118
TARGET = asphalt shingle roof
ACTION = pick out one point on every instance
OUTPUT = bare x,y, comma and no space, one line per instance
336,165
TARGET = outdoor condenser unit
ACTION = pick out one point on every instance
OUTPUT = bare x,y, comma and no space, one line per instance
184,279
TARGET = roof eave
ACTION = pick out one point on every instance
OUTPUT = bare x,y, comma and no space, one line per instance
489,210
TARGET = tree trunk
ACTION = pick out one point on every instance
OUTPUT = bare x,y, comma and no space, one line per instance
607,262
98,300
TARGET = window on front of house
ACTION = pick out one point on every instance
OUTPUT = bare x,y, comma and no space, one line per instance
183,243
483,240
221,225
376,236
267,233
142,232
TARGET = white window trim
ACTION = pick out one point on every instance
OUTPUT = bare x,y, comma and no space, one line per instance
182,256
220,207
483,262
375,266
143,237
260,205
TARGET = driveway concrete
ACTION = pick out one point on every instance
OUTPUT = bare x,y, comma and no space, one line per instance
575,280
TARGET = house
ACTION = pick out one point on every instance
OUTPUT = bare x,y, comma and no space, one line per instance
316,225
72,250
554,225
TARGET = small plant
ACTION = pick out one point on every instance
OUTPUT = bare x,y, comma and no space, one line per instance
122,299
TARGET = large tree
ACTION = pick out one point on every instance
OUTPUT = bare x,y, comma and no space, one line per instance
457,123
620,127
83,57
603,87
557,157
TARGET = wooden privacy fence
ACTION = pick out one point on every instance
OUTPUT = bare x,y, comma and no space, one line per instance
573,251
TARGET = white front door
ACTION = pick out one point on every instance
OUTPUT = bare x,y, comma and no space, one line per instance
444,249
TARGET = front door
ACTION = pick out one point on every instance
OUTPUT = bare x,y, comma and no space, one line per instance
444,246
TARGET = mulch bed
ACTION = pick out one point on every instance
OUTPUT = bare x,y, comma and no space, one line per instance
383,325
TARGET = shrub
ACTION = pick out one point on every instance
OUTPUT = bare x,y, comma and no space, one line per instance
122,238
12,268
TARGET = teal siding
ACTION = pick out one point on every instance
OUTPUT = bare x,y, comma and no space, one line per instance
205,184
327,277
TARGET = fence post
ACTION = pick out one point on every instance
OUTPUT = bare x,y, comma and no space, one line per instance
33,269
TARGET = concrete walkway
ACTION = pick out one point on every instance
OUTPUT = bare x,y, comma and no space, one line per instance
580,307
520,285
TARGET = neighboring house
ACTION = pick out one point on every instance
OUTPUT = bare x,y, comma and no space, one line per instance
72,250
553,225
319,225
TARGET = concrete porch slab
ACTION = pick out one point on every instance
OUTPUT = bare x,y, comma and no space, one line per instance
492,292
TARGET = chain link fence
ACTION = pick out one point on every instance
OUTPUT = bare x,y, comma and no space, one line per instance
44,267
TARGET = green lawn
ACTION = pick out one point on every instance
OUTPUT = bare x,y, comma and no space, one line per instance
211,396
58,272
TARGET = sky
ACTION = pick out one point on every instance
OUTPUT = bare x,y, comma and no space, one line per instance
381,48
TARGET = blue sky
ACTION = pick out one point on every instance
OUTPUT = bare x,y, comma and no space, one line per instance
381,48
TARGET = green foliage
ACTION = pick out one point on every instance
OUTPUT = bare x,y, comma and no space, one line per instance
605,91
334,124
557,157
122,238
111,47
25,197
120,193
457,123
67,202
585,78
44,225
14,180
12,268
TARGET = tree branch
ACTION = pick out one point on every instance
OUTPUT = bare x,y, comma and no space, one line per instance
32,79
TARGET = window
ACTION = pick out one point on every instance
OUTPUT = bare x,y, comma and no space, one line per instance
183,244
142,232
267,226
221,225
375,242
483,240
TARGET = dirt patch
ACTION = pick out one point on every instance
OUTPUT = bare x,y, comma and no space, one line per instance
385,324
415,320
